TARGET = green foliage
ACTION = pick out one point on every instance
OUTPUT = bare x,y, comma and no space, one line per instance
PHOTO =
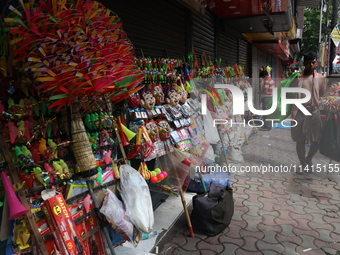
310,36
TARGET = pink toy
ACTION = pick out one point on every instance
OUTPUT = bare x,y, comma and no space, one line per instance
165,174
107,157
13,131
48,168
87,203
160,177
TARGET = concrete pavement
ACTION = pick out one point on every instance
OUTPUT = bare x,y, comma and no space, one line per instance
275,212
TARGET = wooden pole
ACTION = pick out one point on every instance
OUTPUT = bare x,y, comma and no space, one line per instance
181,193
22,194
185,208
223,145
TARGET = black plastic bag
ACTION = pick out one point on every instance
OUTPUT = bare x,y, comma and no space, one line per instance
330,138
212,212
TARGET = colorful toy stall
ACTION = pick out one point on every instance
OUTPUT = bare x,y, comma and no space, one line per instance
87,127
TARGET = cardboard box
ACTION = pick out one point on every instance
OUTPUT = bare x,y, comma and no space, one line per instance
64,224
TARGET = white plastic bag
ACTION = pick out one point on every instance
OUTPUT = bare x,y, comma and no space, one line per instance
136,196
115,214
211,133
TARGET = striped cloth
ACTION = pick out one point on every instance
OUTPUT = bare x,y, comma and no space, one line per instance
268,86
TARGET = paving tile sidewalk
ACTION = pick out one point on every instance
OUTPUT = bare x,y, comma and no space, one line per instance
275,212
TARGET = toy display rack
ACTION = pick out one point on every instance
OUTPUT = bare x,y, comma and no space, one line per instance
22,194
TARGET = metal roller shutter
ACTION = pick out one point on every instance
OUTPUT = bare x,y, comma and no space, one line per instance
243,53
204,35
155,28
264,59
227,48
255,82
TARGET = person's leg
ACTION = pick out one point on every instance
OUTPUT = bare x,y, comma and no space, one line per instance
300,149
312,150
314,129
263,101
265,106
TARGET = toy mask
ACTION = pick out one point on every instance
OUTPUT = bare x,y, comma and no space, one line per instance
171,96
153,130
148,101
134,100
157,92
182,93
164,129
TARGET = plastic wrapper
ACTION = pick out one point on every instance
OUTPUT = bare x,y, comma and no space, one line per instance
169,185
211,132
116,215
136,196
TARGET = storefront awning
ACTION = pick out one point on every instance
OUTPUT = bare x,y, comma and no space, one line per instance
289,35
225,9
277,49
250,16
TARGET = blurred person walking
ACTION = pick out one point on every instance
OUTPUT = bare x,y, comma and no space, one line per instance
308,127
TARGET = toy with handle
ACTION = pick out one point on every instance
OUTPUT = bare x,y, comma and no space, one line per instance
16,208
122,135
135,150
149,147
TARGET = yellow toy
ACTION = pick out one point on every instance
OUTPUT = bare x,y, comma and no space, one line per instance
22,235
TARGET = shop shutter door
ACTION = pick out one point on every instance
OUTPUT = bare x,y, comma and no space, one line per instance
227,48
255,82
243,53
204,35
264,59
155,27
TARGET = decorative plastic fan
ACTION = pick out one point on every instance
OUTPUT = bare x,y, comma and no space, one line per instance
76,50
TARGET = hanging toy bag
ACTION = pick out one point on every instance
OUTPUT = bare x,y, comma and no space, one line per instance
136,196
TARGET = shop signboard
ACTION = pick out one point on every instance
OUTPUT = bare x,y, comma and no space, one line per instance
335,35
336,62
326,54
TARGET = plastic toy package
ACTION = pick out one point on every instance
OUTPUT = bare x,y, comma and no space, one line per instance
136,196
118,218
